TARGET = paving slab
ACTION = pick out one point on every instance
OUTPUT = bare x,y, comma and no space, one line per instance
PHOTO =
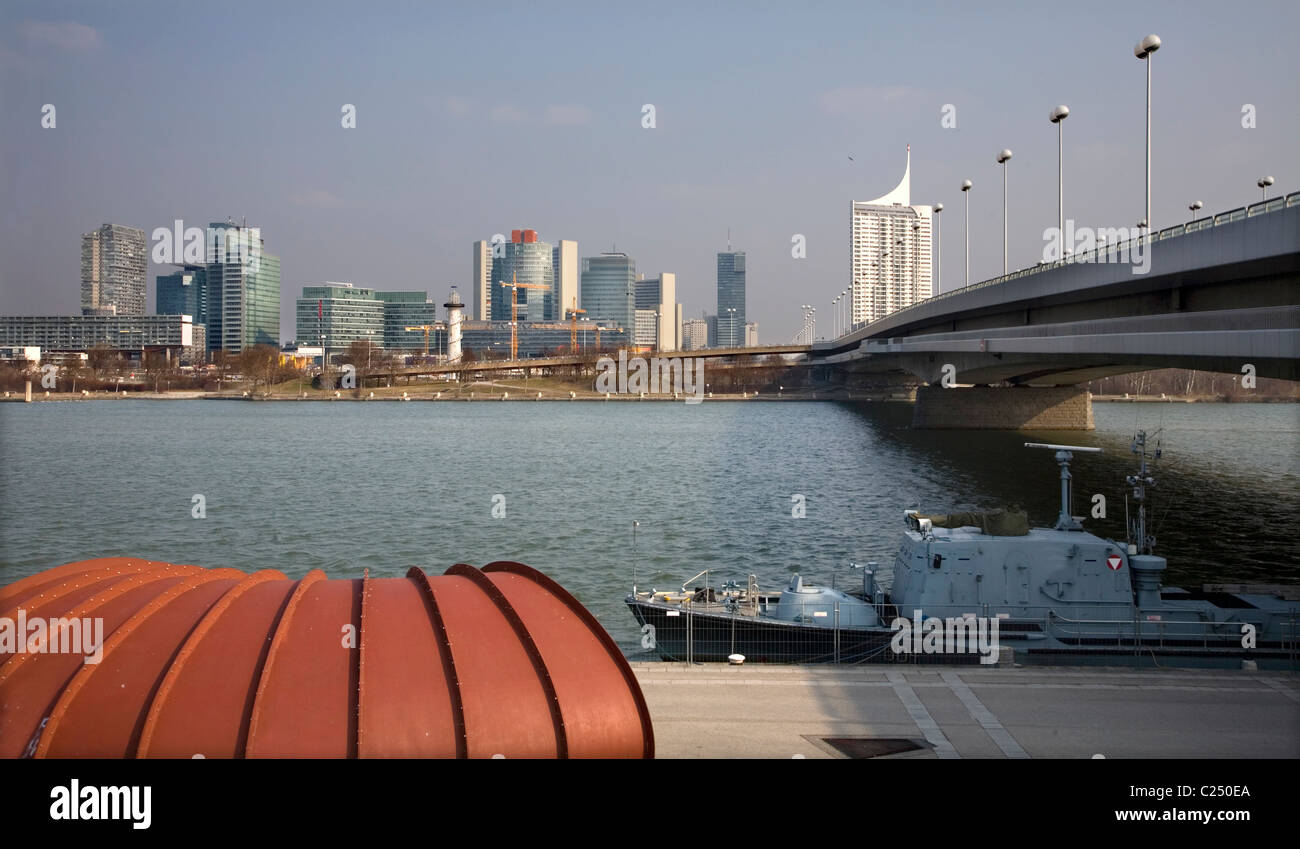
754,711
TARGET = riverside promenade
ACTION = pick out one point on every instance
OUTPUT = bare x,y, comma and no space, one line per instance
754,711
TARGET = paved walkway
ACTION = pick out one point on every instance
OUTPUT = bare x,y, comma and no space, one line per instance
720,711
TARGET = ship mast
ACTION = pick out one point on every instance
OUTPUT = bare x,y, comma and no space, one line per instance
1137,528
1065,521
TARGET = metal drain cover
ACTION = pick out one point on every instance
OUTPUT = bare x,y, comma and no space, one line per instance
859,748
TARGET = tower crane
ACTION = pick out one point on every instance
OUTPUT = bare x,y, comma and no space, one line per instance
573,312
426,328
514,286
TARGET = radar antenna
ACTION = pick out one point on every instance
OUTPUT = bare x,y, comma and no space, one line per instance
1137,528
1065,521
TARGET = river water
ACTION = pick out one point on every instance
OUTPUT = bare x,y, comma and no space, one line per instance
348,486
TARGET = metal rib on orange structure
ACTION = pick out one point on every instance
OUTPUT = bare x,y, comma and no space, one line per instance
218,663
567,637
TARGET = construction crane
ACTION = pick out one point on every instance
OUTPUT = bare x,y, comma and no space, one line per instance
573,311
426,328
513,286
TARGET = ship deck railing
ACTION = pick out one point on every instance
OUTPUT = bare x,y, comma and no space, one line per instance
1092,625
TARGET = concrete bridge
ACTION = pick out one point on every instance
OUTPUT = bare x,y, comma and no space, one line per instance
1220,294
742,356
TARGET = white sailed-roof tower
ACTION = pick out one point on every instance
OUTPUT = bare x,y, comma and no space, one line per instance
890,252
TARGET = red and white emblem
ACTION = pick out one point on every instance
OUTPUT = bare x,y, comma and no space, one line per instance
1114,562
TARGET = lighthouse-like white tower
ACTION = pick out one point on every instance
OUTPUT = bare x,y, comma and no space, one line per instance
455,314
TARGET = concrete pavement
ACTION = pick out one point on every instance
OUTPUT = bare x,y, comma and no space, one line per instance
720,711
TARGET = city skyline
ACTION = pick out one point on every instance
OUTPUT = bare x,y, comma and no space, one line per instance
808,131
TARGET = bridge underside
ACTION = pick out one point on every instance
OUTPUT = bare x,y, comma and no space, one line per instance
1075,352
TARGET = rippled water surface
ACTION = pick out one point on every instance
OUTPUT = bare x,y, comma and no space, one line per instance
348,486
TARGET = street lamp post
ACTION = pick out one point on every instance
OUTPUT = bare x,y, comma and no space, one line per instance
1143,50
1002,160
938,251
844,319
1192,207
1057,117
965,190
1264,183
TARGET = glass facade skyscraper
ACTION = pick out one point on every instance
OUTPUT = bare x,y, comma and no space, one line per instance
524,259
609,289
243,289
184,292
731,299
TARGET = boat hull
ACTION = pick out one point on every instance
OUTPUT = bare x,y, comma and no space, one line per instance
714,636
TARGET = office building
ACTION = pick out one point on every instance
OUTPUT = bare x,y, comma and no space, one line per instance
890,252
609,289
481,296
751,334
731,299
523,260
403,310
183,292
564,262
695,334
491,339
334,315
659,295
114,262
174,336
647,326
243,284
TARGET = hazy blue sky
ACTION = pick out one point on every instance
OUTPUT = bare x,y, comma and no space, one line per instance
475,119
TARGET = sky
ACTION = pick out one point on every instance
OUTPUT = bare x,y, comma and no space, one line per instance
476,119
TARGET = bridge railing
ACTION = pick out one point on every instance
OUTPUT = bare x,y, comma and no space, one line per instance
1126,247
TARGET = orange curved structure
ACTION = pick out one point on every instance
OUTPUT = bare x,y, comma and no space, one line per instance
218,663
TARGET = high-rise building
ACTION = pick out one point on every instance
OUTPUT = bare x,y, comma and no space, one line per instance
647,325
243,289
564,261
695,334
890,252
751,334
659,295
114,262
183,292
522,260
731,299
482,285
609,289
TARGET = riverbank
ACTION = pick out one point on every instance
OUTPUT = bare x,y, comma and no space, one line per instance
483,391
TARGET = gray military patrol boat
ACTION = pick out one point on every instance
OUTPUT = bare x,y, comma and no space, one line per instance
987,588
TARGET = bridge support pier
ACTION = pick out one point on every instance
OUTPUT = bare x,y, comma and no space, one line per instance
1003,408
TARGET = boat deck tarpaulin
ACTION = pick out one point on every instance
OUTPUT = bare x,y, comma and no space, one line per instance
500,661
